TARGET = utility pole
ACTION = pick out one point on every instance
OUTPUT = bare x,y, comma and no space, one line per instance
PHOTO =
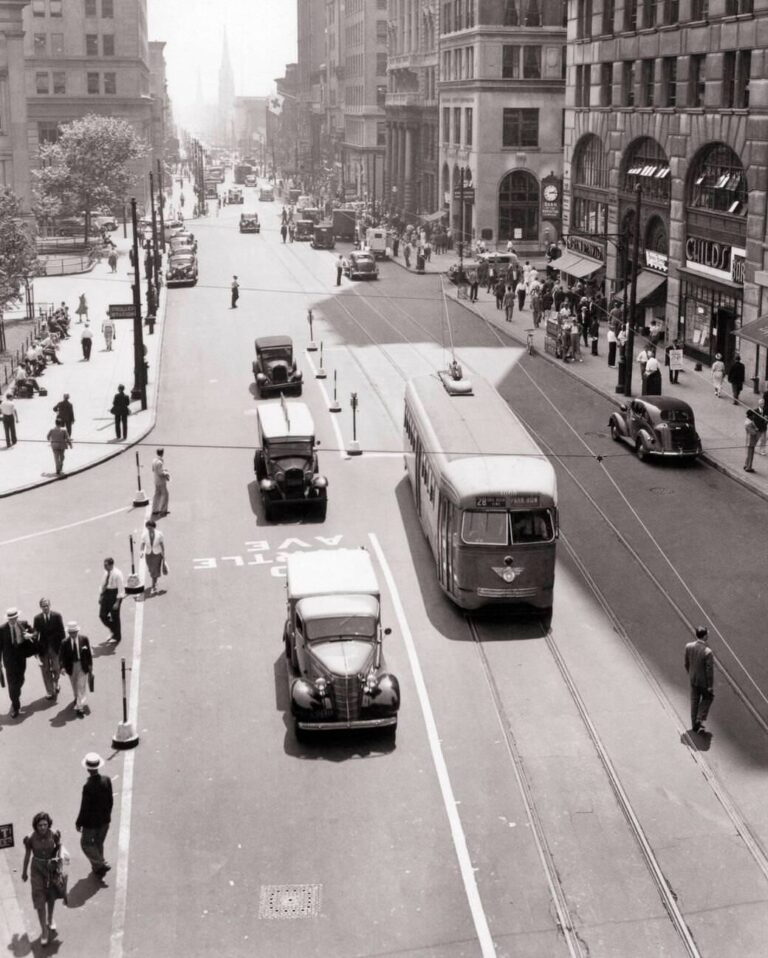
630,344
161,197
139,390
155,250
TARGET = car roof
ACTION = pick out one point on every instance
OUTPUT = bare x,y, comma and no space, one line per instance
272,342
334,606
183,253
665,402
279,419
361,254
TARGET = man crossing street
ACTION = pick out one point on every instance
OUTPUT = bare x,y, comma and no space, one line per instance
77,661
235,290
700,666
95,814
111,595
49,633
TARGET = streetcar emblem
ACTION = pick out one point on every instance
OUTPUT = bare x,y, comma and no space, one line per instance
507,572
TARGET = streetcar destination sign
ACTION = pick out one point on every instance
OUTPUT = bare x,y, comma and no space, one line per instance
512,499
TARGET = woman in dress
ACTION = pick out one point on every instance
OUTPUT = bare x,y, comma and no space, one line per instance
82,308
42,846
718,374
153,550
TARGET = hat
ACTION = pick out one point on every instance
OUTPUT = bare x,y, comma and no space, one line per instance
73,627
718,355
12,614
702,632
92,761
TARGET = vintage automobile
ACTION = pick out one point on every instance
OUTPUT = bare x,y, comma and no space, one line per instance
305,230
454,270
323,236
266,194
660,426
361,265
235,195
251,179
249,223
182,241
211,192
337,676
181,269
311,213
274,368
286,461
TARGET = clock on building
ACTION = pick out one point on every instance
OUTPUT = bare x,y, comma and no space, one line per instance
550,193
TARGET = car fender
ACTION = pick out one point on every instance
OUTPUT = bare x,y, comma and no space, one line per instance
304,695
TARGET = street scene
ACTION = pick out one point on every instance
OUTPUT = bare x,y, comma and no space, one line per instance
383,556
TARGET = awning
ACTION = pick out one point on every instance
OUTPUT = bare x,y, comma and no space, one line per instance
574,264
754,332
434,217
647,283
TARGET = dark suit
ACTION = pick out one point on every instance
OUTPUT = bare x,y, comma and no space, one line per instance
13,657
700,666
50,634
67,654
94,818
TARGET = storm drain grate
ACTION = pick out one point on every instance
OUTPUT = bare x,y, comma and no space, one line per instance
290,901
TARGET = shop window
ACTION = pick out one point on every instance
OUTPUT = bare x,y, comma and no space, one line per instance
669,78
656,237
40,44
590,163
609,15
108,45
647,76
110,83
606,84
737,66
520,127
59,82
718,182
646,165
519,206
588,215
92,82
628,83
91,45
42,85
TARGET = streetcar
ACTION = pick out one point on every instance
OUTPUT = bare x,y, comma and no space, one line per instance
485,493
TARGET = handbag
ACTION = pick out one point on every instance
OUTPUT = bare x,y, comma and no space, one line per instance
57,877
165,567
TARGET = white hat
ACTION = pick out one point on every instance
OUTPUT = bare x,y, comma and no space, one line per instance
12,614
92,761
73,627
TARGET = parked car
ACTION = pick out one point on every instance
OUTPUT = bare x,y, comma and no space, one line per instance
323,237
181,269
274,368
184,240
657,426
235,195
361,265
249,223
266,194
286,461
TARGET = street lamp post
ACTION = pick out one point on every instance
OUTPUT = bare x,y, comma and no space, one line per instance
139,390
630,344
155,250
161,200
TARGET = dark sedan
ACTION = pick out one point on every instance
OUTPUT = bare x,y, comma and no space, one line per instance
182,269
657,426
361,266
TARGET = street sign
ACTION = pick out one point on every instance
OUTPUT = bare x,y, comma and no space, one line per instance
469,194
122,311
6,836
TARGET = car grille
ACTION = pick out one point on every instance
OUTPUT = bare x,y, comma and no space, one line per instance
346,693
294,482
279,374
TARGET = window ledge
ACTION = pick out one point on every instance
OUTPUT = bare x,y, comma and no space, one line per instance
667,27
698,23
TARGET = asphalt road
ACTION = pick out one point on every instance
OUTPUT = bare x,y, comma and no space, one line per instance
536,781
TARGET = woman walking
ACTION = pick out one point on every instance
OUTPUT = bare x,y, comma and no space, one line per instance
108,329
718,374
43,847
153,551
82,308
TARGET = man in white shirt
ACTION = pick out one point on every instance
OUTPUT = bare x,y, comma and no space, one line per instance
161,477
111,595
10,417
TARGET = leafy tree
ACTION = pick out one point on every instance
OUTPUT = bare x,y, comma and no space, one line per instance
18,253
89,166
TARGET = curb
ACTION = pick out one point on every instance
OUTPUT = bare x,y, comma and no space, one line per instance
113,453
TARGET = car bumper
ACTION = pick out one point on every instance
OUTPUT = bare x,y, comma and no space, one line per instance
182,281
675,453
329,726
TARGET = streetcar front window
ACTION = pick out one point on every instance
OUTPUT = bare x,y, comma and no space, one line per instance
485,528
534,526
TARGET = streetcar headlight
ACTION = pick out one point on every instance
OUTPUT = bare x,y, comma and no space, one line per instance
508,575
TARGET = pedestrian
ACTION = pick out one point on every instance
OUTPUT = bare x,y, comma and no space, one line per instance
43,848
611,339
109,331
755,426
121,410
395,244
153,552
112,260
82,308
110,598
674,374
654,332
642,359
407,255
584,318
10,416
700,666
718,374
652,375
59,439
181,200
509,303
499,291
339,268
473,278
284,231
49,635
521,291
16,646
76,659
86,341
594,333
291,232
536,307
162,478
95,813
235,292
736,376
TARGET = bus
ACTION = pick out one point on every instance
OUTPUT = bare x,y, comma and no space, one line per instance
485,494
241,171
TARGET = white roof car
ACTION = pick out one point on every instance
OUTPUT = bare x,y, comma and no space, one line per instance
331,572
282,420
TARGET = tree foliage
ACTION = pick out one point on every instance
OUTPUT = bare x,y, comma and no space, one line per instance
89,166
18,253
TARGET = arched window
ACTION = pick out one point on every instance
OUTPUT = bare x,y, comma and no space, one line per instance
656,237
718,181
646,165
519,206
590,163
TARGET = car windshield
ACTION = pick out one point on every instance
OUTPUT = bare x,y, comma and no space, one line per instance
677,415
276,354
291,448
507,528
338,629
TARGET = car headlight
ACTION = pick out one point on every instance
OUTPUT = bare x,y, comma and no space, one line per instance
280,476
266,485
319,482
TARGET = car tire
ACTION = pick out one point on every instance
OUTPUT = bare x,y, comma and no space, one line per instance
270,511
615,433
642,450
301,735
258,466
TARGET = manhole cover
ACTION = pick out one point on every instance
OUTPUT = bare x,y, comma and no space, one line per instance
661,491
289,901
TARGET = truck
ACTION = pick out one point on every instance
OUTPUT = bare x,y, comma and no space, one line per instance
333,644
376,239
344,221
241,171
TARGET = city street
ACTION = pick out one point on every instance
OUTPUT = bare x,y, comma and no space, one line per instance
542,796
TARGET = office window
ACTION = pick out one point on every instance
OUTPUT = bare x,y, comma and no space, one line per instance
606,84
646,82
671,11
737,65
520,127
91,45
110,83
630,15
107,9
381,63
54,8
57,44
531,13
381,31
92,82
583,18
628,83
108,45
446,124
47,132
700,10
40,44
381,133
609,14
59,81
446,21
38,8
696,79
381,4
468,125
90,8
669,78
457,124
649,14
521,62
41,83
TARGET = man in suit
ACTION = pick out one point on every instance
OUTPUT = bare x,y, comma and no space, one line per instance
95,814
700,666
77,661
49,633
16,646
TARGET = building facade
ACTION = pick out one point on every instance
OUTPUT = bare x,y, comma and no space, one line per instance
162,116
14,155
225,114
411,183
501,101
311,74
251,127
668,103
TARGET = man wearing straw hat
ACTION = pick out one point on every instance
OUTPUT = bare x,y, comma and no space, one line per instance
77,661
95,814
16,646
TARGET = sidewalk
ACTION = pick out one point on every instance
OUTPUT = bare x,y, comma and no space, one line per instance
719,423
91,385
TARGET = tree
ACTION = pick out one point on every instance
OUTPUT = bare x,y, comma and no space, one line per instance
18,253
89,166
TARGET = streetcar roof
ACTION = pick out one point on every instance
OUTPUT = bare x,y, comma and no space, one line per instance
518,480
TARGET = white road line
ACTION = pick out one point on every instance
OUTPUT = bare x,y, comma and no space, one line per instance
333,415
126,792
70,525
487,947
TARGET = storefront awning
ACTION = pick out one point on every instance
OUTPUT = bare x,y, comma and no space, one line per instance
574,264
754,332
434,217
647,283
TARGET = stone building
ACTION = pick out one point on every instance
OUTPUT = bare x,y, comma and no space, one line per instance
501,90
411,169
311,72
669,100
14,156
